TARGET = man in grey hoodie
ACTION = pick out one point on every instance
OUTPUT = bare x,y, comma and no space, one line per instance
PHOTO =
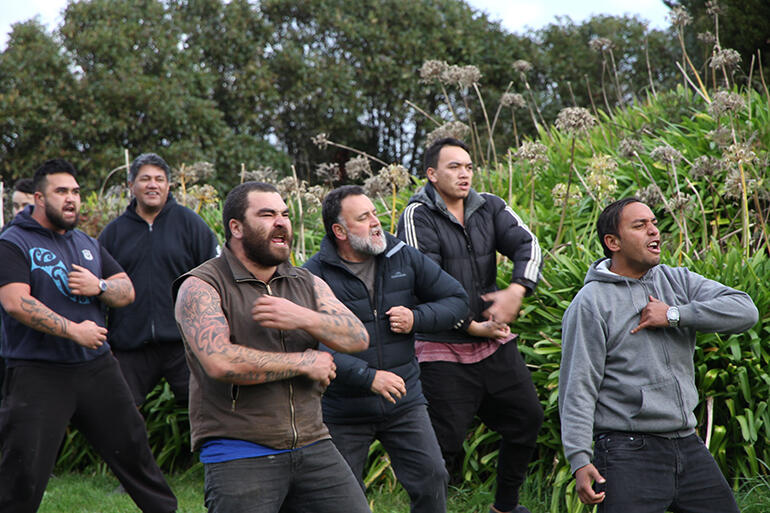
626,384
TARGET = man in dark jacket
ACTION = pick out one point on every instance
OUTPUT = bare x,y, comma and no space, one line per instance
394,290
155,240
53,283
478,370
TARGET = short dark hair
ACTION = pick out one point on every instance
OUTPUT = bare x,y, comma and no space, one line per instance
332,206
51,167
237,201
431,154
25,185
146,159
609,219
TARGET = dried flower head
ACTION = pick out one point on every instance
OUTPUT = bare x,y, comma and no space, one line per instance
463,76
601,183
533,152
328,172
320,140
679,17
574,119
313,198
376,185
454,129
630,147
358,166
198,196
514,100
600,44
288,185
733,186
679,201
395,174
713,8
721,136
726,57
198,172
707,38
432,70
739,153
649,195
666,155
522,66
261,174
705,166
559,194
725,101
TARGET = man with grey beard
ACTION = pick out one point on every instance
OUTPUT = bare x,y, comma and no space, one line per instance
394,290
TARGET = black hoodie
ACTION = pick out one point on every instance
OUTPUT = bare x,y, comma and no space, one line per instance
154,256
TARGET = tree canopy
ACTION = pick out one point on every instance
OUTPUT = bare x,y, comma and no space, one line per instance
239,83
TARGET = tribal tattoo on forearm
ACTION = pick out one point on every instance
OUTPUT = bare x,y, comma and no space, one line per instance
342,326
207,334
42,318
117,291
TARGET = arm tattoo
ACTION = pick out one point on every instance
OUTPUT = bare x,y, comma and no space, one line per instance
117,290
41,318
207,335
344,328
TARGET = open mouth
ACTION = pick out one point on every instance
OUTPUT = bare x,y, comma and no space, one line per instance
654,246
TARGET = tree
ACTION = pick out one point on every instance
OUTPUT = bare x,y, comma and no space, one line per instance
744,25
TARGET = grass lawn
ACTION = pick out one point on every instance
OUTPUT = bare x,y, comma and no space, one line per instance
94,493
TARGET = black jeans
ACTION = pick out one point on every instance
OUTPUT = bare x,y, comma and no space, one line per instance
413,450
311,479
144,367
651,474
500,391
42,399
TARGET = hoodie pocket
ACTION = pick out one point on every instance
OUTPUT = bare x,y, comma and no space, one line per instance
659,408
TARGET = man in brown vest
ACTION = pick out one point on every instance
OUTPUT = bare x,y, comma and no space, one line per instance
251,323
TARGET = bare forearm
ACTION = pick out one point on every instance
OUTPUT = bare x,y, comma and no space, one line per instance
120,292
246,366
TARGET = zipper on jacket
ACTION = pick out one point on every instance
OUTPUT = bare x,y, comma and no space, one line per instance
292,410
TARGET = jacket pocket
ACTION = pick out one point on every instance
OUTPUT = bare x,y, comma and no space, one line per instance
660,408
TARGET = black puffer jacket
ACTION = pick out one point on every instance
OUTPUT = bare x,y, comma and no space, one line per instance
405,277
469,253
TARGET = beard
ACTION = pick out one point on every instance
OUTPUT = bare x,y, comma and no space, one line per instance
367,245
55,217
256,245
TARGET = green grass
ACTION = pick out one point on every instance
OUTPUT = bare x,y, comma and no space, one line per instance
93,492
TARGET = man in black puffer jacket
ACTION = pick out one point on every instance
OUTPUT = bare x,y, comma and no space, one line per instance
395,291
478,371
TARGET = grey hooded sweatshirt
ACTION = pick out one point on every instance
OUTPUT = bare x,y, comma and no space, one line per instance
613,380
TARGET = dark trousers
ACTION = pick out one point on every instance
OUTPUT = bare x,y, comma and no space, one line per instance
414,453
651,474
312,479
500,391
42,399
144,367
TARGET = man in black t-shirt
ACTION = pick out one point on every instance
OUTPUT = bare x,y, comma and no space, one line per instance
53,282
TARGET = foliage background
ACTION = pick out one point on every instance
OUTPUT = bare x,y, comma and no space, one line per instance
272,90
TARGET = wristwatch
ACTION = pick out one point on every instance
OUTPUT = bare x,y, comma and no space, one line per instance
102,287
672,314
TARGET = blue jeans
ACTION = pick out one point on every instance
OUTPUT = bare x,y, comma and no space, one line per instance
311,479
652,474
414,453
